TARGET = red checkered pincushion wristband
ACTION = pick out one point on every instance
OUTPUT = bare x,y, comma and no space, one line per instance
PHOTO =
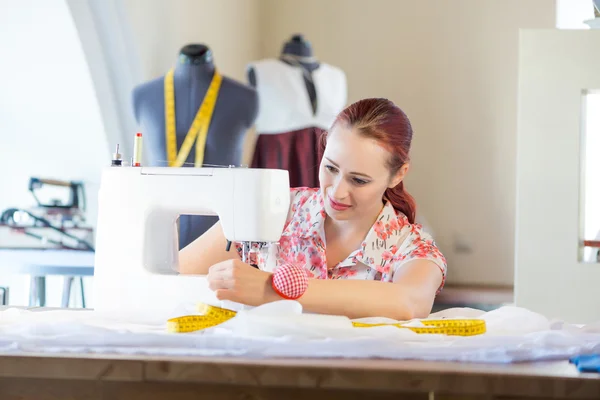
290,281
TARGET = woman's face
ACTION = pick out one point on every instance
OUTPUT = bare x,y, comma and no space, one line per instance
354,175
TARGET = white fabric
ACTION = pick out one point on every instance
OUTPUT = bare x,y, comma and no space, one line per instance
284,103
281,330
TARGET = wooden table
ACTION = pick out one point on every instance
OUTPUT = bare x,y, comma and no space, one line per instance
84,376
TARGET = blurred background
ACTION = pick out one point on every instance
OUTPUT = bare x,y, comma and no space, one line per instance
78,77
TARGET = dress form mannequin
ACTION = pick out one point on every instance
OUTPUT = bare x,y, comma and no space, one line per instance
235,111
297,51
299,98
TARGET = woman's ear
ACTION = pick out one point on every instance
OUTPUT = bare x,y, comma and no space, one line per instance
399,176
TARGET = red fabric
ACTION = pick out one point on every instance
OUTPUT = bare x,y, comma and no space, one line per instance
290,281
295,151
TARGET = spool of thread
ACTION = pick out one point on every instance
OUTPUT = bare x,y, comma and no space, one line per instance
137,150
117,160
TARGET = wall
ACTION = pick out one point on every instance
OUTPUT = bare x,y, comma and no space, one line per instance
161,28
452,66
50,125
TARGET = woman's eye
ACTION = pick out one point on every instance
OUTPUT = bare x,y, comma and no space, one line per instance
360,181
330,168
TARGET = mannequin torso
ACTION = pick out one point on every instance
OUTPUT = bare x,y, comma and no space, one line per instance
299,99
299,52
235,111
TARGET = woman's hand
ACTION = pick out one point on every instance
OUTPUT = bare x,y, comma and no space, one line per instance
237,281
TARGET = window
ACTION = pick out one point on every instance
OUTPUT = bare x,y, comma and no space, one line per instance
590,178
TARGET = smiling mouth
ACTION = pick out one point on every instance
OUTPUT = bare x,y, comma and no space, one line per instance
337,206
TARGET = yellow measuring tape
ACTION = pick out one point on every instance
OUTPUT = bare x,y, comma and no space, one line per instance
199,128
213,316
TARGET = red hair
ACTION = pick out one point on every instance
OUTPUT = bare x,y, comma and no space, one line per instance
382,120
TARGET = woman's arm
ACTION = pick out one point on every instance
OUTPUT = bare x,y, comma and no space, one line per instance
209,249
411,295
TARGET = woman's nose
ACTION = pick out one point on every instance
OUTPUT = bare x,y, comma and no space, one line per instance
340,189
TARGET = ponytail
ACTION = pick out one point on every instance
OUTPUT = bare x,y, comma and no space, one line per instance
402,201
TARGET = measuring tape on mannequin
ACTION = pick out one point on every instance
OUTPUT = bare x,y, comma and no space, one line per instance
213,316
199,128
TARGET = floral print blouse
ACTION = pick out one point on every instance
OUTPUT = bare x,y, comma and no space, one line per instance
391,243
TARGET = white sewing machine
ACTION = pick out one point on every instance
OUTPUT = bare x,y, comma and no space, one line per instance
136,260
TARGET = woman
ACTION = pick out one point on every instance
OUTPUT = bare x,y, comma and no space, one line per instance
355,235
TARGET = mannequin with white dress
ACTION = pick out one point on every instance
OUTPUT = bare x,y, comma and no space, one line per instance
299,98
